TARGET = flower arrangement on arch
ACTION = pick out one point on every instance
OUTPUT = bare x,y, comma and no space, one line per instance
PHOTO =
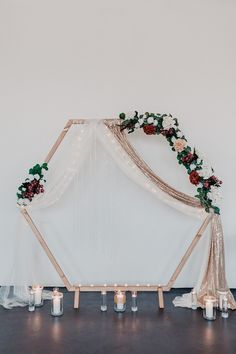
200,173
33,185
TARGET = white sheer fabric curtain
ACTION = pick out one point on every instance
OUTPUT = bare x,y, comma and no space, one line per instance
64,166
66,162
132,171
87,171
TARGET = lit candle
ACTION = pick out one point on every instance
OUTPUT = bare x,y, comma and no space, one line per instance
38,292
225,311
209,308
194,299
56,304
31,305
134,305
120,301
103,301
209,312
221,295
57,308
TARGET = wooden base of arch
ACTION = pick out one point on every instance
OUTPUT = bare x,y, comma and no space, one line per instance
159,288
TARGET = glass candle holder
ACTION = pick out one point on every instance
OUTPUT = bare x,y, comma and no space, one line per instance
38,295
103,301
225,309
221,295
57,303
209,311
134,301
194,300
120,301
31,305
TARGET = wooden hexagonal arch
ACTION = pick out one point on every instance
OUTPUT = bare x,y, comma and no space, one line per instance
77,288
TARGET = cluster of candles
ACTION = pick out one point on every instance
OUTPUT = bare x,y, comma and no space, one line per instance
119,301
209,311
211,304
36,300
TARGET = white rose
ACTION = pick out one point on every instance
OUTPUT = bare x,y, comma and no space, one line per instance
137,125
179,134
200,155
130,114
192,167
173,139
155,123
150,120
141,120
205,172
199,161
168,122
37,176
215,195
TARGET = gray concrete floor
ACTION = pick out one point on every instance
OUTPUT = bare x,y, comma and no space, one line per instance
88,331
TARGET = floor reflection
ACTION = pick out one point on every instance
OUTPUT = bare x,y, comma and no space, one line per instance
56,330
34,321
208,335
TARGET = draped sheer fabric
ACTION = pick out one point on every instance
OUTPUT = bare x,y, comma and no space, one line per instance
71,157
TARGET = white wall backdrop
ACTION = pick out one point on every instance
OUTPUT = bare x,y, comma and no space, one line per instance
94,59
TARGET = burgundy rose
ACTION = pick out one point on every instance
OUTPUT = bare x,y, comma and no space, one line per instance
33,187
188,158
206,184
168,133
149,129
194,178
215,181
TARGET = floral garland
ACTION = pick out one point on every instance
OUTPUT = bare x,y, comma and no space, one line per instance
33,185
200,173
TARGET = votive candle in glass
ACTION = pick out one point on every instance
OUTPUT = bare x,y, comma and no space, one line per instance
103,301
57,303
209,311
221,295
134,301
38,295
193,300
225,309
120,301
31,305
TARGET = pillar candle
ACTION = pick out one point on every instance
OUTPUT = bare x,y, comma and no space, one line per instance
56,304
209,308
37,294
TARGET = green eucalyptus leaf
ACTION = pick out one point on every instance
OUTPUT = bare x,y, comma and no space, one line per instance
122,115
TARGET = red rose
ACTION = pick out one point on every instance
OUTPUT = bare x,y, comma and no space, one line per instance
194,178
149,129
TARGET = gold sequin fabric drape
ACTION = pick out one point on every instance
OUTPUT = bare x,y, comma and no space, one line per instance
214,278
